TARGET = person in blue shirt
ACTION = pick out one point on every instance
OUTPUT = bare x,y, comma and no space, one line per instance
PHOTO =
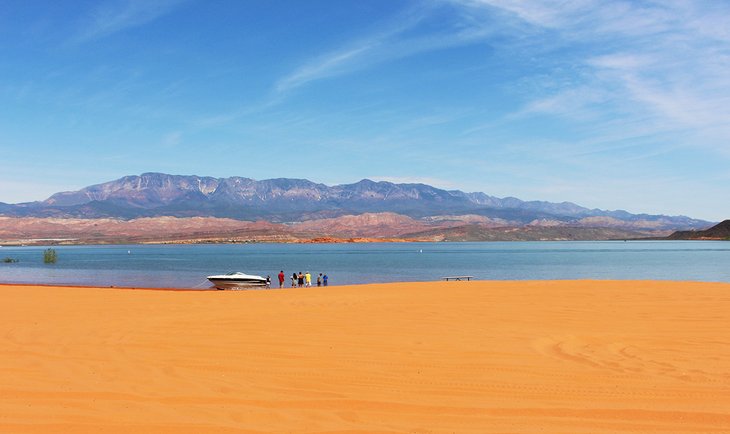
324,280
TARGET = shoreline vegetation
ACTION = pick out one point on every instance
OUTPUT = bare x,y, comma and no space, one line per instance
468,357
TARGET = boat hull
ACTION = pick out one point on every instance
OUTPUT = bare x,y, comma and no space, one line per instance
237,280
237,284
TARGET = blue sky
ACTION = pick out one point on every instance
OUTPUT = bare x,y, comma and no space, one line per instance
608,104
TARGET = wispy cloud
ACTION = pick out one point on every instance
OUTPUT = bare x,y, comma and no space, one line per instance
542,13
398,38
663,62
356,54
326,66
115,16
393,38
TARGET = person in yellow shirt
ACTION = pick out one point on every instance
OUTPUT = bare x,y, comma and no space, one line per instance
308,279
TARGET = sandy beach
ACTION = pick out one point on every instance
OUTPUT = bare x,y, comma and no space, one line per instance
456,357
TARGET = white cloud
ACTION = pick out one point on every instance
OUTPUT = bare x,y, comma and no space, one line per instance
663,62
115,16
399,38
329,65
622,62
352,56
540,13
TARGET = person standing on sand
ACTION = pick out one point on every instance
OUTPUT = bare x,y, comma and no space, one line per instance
300,279
324,280
293,280
308,279
281,279
319,280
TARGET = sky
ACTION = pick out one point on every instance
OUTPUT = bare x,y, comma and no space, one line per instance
607,104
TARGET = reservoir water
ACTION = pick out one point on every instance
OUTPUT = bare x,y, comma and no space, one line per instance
185,266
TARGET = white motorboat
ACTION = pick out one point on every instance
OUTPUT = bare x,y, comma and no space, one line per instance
237,280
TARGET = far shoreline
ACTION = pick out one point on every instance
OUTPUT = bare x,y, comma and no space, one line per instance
318,240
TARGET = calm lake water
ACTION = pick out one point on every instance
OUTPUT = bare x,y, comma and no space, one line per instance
185,266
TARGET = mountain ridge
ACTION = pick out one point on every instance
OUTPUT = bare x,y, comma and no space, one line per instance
282,200
720,231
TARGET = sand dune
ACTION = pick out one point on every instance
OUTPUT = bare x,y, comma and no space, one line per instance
464,357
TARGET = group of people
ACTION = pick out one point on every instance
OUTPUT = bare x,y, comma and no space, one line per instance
301,280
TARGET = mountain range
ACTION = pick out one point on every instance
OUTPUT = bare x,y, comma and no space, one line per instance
285,200
720,231
365,208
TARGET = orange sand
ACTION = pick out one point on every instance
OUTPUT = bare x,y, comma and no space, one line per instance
463,357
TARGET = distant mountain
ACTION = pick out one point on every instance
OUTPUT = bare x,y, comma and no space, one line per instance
297,200
720,231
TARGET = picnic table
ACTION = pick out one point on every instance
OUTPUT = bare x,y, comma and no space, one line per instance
447,278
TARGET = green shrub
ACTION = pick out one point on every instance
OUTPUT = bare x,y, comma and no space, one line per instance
49,256
9,260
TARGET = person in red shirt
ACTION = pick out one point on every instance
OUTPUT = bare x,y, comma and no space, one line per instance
281,279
